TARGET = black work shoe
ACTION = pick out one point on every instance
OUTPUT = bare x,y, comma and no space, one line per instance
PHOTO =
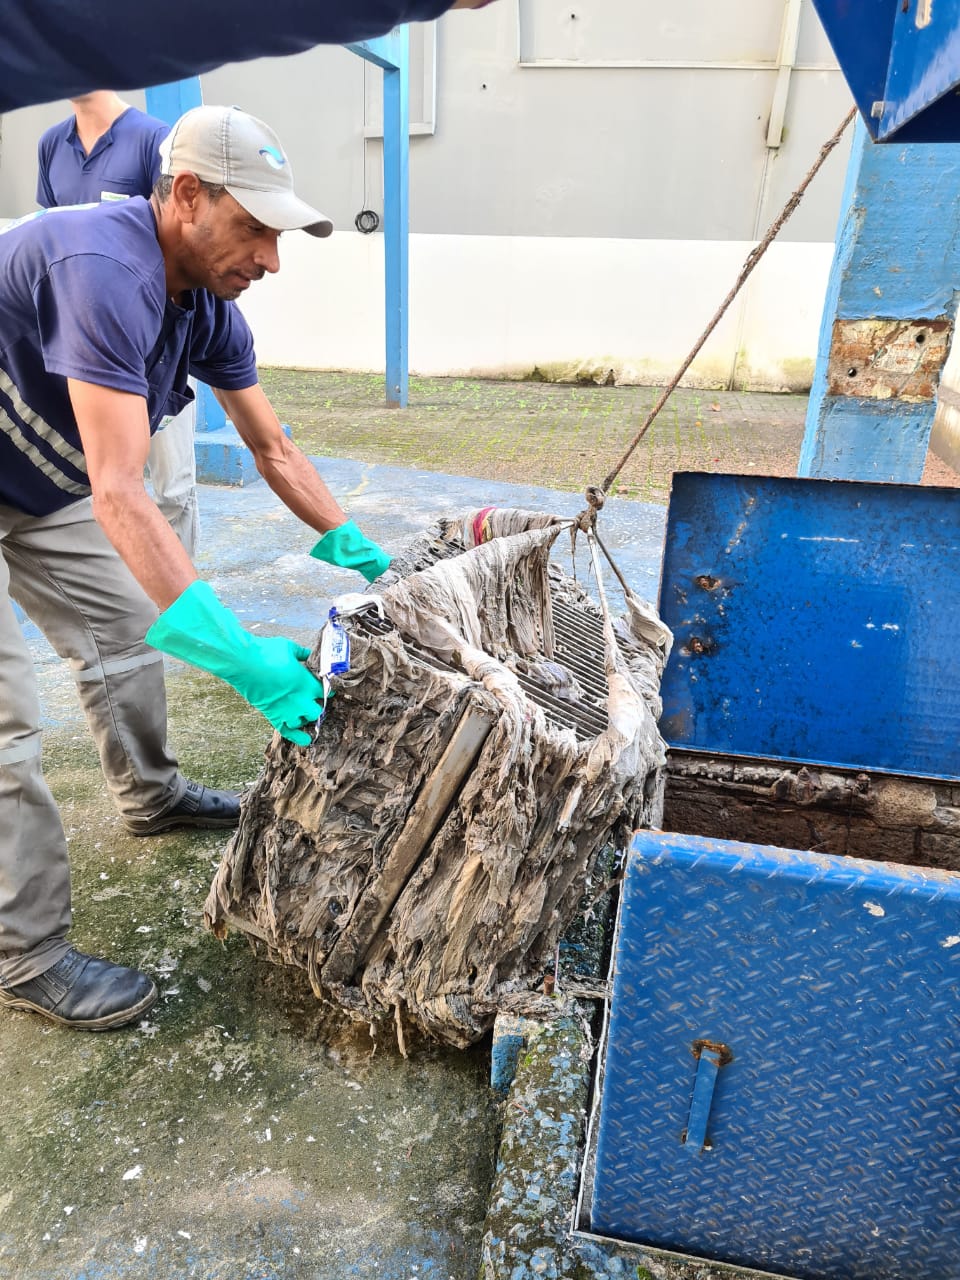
199,806
84,992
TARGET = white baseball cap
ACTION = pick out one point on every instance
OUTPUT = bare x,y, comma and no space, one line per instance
225,146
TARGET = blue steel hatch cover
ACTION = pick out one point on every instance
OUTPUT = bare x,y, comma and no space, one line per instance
781,1086
814,621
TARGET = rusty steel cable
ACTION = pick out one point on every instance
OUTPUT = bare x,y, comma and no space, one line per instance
756,253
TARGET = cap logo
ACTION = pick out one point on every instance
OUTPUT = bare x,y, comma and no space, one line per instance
274,157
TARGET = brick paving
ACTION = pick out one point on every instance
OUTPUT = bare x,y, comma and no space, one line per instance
561,436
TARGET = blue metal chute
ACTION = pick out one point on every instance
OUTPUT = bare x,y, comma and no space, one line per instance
901,59
814,621
779,1086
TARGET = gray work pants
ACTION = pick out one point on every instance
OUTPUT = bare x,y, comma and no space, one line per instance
172,468
64,573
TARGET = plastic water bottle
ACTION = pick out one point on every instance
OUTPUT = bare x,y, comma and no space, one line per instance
334,648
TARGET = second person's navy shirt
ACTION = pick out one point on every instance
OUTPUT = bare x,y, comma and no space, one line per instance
123,162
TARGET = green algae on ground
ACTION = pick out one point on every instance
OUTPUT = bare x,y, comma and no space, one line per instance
234,1132
560,435
529,1230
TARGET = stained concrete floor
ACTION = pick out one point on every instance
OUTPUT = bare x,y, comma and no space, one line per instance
236,1133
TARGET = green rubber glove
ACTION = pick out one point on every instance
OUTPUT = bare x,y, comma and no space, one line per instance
348,547
268,671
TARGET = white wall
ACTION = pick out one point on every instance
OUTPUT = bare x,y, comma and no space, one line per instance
502,306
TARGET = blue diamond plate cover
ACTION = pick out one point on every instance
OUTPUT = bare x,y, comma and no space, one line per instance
782,1076
814,620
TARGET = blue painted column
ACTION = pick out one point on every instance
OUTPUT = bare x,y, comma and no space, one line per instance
889,314
396,219
392,54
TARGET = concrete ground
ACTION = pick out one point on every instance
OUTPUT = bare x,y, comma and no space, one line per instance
237,1132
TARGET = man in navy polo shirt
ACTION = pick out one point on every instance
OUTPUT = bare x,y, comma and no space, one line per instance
105,311
108,150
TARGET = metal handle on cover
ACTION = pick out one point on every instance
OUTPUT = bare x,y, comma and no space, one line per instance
710,1058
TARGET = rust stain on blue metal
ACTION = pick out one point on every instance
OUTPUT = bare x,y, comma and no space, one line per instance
888,359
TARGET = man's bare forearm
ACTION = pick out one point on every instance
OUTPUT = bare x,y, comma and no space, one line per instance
116,439
286,469
294,480
145,542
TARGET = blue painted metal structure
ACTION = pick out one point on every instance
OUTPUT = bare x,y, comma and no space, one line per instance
824,991
814,622
168,102
896,265
392,54
901,59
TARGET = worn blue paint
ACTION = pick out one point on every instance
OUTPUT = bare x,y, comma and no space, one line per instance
223,459
210,416
391,53
504,1054
901,75
834,1152
430,1255
813,621
813,439
509,1038
897,257
868,440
